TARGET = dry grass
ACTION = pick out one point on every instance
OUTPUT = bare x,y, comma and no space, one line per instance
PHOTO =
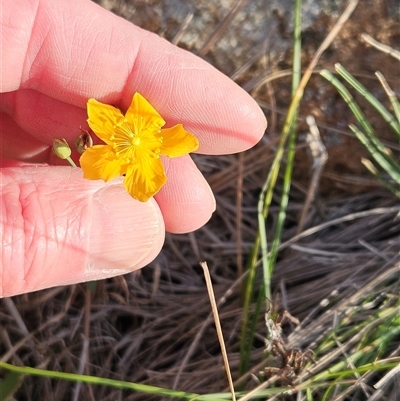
155,326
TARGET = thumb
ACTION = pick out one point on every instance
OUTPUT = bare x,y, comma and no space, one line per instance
57,228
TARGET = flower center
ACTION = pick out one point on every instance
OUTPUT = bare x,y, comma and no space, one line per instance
131,140
125,142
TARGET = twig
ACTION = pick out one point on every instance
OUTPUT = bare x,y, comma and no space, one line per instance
221,27
203,327
262,386
182,29
380,46
348,217
85,346
16,315
360,380
218,327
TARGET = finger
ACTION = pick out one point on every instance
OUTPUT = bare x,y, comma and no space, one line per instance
41,116
78,50
58,229
31,121
17,144
185,208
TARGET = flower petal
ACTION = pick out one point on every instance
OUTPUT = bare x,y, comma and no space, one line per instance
143,115
177,141
144,179
100,162
102,119
133,145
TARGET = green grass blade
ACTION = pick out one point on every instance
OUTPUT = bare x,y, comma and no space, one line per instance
368,129
265,198
9,385
382,158
267,190
391,95
368,138
142,388
372,169
372,100
291,145
358,114
246,333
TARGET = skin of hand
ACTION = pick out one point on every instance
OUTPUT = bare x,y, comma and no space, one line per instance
56,227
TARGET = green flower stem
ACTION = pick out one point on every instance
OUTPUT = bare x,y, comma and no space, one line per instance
143,388
71,162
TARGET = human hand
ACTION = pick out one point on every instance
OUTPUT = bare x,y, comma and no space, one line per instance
56,227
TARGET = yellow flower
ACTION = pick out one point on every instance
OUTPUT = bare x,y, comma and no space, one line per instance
133,145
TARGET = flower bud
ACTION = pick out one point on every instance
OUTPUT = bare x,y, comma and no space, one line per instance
61,148
83,141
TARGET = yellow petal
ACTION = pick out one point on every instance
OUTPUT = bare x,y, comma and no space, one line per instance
103,118
100,162
144,179
142,115
177,141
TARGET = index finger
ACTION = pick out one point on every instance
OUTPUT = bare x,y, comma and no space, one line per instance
73,50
